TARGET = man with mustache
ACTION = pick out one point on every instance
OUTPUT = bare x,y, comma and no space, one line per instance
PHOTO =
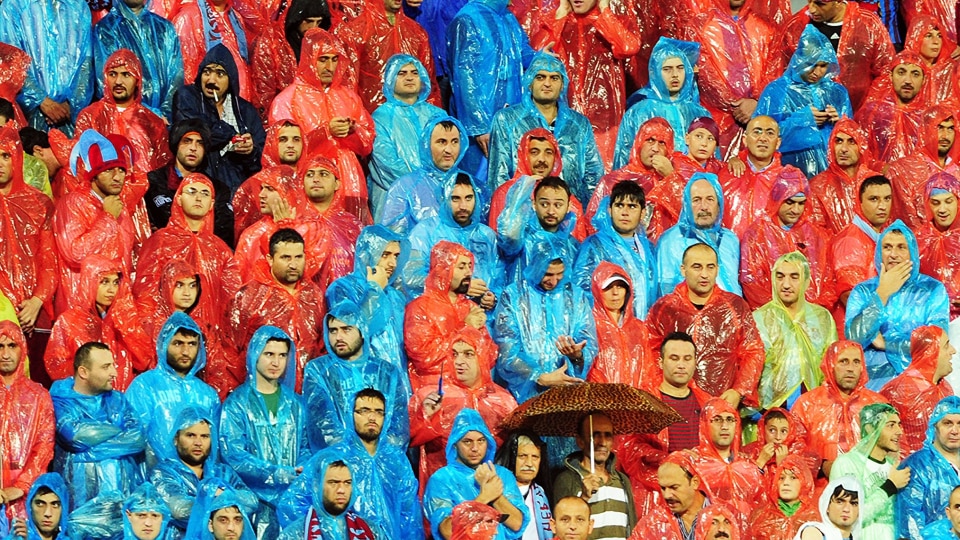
525,455
683,498
894,112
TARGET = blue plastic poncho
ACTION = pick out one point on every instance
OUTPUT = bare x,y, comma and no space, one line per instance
435,16
788,100
932,479
922,300
180,486
582,166
398,125
416,196
158,395
330,382
55,482
382,308
57,36
207,504
455,484
145,499
100,442
634,255
263,450
685,233
678,111
476,237
155,42
528,320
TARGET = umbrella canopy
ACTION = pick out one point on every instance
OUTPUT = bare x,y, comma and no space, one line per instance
558,410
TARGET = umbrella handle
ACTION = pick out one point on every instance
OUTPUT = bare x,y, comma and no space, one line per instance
593,464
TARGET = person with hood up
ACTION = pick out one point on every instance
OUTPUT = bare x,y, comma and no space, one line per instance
937,153
458,221
780,435
100,441
651,167
701,140
445,307
784,229
327,108
49,509
893,113
219,515
374,286
729,475
468,365
932,40
863,45
399,121
948,527
101,310
121,111
331,513
731,354
543,325
620,239
206,24
795,334
58,38
419,194
331,381
916,391
875,463
833,197
806,102
132,25
276,51
380,31
544,105
26,412
145,514
671,94
938,238
700,221
681,497
839,512
471,475
194,466
158,395
28,249
883,311
789,502
215,96
263,424
933,475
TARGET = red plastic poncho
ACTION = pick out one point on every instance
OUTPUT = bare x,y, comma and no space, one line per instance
795,442
431,321
26,414
658,521
664,192
499,200
940,250
188,23
852,253
768,522
739,482
371,40
146,132
745,199
914,393
729,350
261,16
864,50
895,128
943,69
830,417
272,66
312,106
594,47
721,510
13,73
738,58
922,15
766,240
28,255
121,328
624,354
472,520
489,399
834,195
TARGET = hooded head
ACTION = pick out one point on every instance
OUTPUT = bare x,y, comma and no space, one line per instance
180,129
523,160
127,59
190,416
716,407
97,154
319,159
392,69
794,429
282,180
920,25
884,86
177,216
814,48
331,526
255,348
299,11
453,128
543,61
220,55
541,249
793,463
829,364
443,258
55,484
925,350
93,269
349,313
872,419
688,53
271,148
687,219
371,243
930,144
468,420
603,276
10,144
486,355
947,405
790,183
797,258
446,213
176,322
173,272
207,504
718,515
852,129
842,487
11,331
145,499
318,42
905,234
940,184
656,129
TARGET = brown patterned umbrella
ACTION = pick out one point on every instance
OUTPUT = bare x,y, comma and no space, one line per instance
558,410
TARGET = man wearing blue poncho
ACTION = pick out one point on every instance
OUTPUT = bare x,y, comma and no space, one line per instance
47,503
219,515
145,514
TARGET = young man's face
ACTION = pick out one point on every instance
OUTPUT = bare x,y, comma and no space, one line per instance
10,354
273,360
337,489
226,524
46,511
145,525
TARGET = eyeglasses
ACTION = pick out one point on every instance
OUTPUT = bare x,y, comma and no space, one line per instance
365,411
720,420
194,192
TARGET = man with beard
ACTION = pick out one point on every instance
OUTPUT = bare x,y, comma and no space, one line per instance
893,114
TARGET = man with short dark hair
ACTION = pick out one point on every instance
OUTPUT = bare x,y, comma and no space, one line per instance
95,421
834,199
897,109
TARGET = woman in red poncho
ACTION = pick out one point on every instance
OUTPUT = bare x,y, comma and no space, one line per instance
790,503
939,238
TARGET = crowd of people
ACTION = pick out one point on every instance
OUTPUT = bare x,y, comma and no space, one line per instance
280,269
